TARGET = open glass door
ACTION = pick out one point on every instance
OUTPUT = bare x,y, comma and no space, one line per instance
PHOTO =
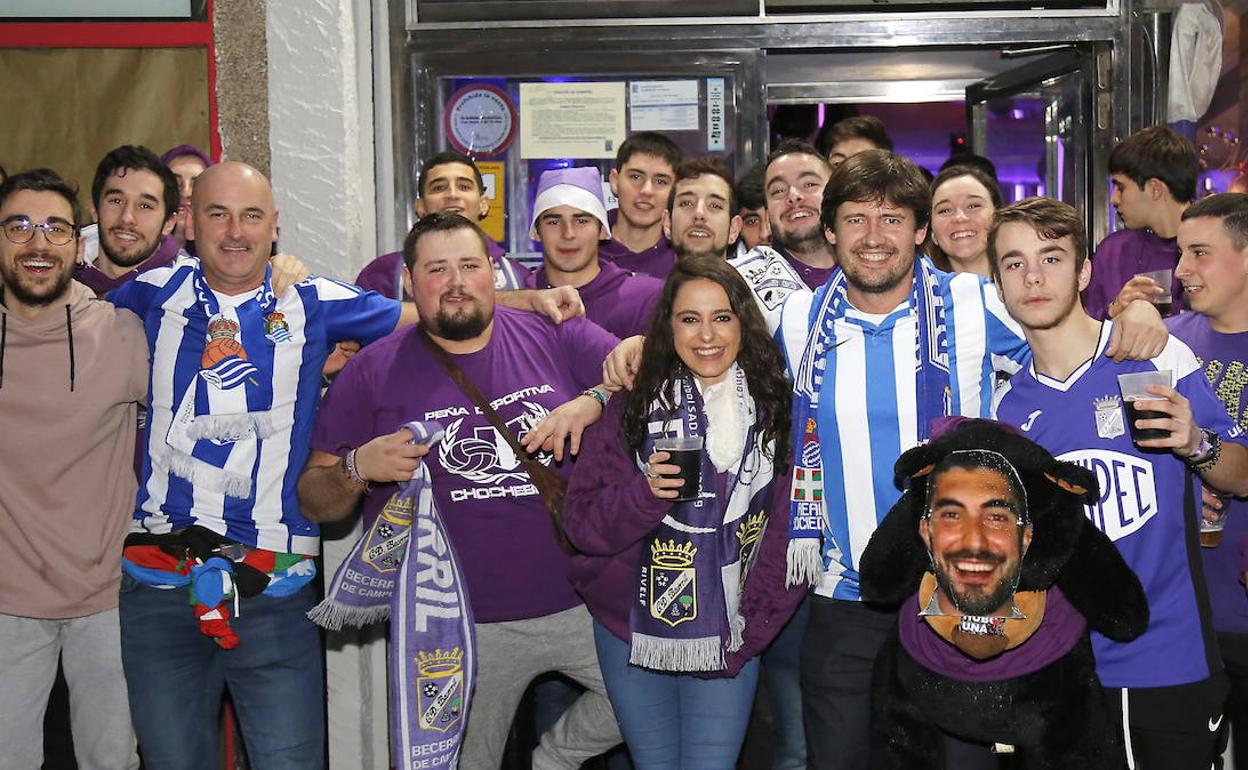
1035,122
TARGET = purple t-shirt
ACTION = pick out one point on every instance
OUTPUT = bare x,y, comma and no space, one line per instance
384,275
814,277
1119,258
102,283
656,261
1057,634
1143,506
1225,361
619,301
501,529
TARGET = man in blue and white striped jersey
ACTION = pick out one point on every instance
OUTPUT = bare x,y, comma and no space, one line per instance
888,344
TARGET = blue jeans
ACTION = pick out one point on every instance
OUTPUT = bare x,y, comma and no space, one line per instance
782,681
676,721
176,676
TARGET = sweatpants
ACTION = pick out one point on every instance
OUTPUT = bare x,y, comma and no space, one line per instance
89,649
509,655
356,676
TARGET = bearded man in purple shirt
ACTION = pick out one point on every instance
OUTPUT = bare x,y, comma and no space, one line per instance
1213,242
135,198
528,618
701,218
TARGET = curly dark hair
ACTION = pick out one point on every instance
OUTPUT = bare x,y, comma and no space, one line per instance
758,357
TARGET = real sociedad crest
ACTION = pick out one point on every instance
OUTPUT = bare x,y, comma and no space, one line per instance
440,688
387,538
1109,420
673,583
276,328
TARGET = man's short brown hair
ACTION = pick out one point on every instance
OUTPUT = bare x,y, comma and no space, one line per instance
877,175
707,165
1052,219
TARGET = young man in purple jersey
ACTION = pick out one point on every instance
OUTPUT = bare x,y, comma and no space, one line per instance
1213,268
1167,686
642,183
1152,174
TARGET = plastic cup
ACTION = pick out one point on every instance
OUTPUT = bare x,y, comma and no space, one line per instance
1134,388
1164,279
686,453
1212,522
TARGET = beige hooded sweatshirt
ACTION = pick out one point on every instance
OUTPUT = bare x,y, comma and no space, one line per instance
70,381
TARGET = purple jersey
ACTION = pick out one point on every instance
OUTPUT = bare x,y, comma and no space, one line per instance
503,533
1119,258
384,275
102,283
812,276
1147,504
656,260
619,301
1225,361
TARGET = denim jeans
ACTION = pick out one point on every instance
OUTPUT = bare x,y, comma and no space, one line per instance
782,681
676,721
176,676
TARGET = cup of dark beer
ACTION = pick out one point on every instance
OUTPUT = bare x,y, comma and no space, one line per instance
1134,387
686,453
1164,301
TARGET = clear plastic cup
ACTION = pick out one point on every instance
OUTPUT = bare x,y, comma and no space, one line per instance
1165,300
1134,387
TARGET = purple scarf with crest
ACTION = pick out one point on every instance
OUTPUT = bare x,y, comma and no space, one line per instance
421,591
694,564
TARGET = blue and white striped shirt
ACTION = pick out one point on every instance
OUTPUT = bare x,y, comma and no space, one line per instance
252,498
868,411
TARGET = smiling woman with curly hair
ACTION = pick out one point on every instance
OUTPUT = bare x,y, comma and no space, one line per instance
685,577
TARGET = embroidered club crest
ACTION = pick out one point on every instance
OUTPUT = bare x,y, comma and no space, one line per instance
673,582
276,328
748,535
1109,419
387,539
224,362
440,688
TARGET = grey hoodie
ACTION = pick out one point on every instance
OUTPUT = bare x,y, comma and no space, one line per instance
70,382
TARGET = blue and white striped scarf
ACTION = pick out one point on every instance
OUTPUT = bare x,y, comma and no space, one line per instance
224,411
807,512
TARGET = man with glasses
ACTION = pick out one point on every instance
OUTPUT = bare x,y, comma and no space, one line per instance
72,370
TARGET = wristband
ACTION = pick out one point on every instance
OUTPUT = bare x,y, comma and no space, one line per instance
599,394
353,474
1207,453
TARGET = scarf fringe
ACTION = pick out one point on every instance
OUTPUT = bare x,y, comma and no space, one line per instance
658,653
231,428
804,566
334,615
736,632
202,474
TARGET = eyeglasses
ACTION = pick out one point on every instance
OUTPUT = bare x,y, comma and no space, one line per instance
22,230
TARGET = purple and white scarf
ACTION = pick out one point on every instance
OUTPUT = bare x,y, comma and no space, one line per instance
433,655
694,564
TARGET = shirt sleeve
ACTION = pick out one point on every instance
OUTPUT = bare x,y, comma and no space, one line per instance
585,345
352,314
382,276
135,296
1096,297
345,420
1207,409
1006,343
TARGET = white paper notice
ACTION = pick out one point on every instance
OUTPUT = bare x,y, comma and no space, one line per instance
663,105
715,114
571,120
